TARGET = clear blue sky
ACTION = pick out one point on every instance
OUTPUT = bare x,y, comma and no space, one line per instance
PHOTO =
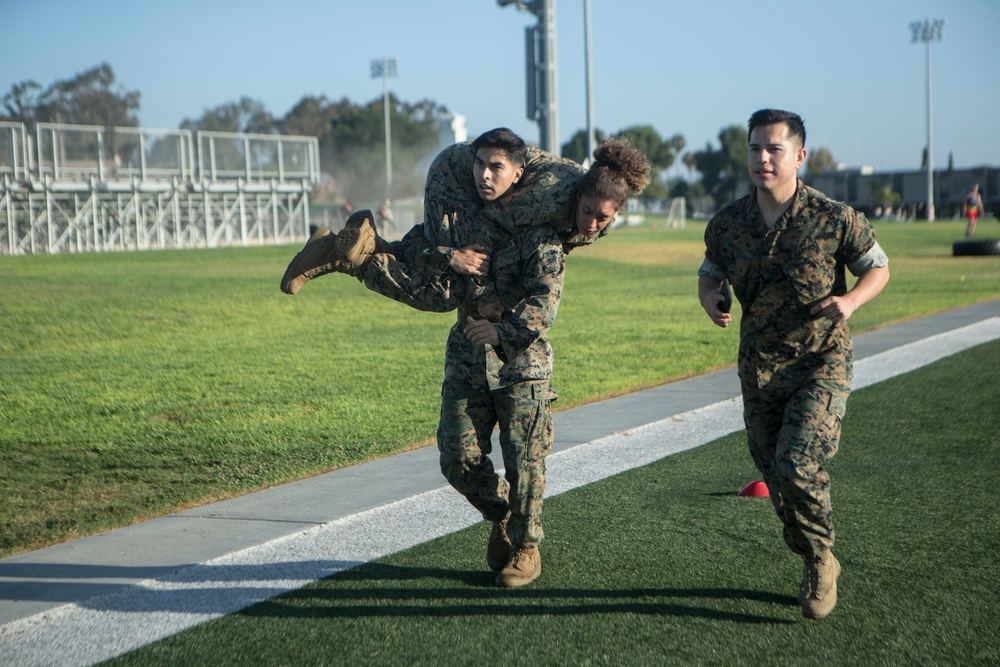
689,67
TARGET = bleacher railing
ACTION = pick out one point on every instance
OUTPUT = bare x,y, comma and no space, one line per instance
82,188
63,152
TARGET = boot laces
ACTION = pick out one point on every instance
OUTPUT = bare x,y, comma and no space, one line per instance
520,557
815,578
499,529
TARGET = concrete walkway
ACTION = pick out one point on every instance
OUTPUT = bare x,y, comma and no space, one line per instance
106,572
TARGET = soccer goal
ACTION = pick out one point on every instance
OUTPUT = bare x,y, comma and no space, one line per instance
676,213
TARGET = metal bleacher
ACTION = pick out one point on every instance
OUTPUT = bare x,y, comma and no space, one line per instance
78,188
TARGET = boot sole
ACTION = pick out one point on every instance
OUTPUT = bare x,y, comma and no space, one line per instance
515,583
357,239
520,581
293,280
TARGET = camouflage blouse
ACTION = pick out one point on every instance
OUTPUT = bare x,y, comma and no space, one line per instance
527,270
779,274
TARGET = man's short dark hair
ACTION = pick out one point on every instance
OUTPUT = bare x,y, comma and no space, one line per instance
796,128
506,140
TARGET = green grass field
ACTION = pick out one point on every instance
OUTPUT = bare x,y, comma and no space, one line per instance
665,565
134,384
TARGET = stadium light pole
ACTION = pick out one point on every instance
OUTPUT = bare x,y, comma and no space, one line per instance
385,68
591,139
542,88
927,31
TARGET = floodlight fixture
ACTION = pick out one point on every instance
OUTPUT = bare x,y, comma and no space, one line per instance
385,68
927,31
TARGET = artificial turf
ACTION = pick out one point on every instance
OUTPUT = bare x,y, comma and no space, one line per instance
665,565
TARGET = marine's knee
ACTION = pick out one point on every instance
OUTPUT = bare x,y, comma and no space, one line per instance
798,469
453,459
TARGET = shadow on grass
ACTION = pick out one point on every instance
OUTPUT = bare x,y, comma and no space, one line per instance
354,590
370,591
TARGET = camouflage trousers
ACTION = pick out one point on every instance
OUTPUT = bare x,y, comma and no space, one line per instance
465,431
416,273
420,281
792,433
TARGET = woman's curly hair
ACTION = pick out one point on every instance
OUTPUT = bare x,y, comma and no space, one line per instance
619,168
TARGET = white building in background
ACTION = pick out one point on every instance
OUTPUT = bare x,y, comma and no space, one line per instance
859,188
452,130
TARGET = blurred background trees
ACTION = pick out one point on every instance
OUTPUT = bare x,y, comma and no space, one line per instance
89,98
351,136
724,170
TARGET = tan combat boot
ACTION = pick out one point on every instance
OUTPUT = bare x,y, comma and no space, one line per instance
818,593
316,258
348,252
524,567
359,238
498,548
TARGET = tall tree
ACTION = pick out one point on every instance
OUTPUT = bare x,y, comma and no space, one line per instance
20,103
820,160
661,153
644,137
882,193
677,143
724,169
89,98
310,117
246,115
690,161
576,148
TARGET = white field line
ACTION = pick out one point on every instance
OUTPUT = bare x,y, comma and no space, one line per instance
103,627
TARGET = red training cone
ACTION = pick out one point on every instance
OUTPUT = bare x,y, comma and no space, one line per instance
755,490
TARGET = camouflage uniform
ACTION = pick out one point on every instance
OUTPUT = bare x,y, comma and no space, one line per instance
795,368
507,386
417,272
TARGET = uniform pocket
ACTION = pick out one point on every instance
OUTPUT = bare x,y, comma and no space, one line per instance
505,255
810,274
838,404
542,391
